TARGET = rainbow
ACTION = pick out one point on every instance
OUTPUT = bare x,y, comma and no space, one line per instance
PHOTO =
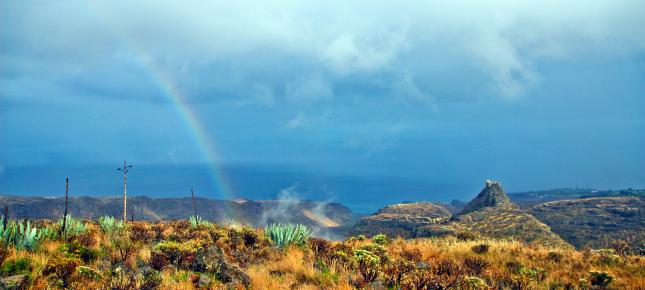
206,145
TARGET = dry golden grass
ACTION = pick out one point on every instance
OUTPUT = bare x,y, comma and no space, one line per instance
435,262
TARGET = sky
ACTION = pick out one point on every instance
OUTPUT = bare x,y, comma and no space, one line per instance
435,96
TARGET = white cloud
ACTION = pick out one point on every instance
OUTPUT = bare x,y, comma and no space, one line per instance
502,39
309,90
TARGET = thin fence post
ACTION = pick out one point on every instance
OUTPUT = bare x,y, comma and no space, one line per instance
62,230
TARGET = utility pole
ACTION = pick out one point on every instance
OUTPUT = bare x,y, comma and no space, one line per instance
6,217
62,230
194,208
125,170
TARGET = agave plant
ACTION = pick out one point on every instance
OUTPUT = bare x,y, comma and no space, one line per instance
20,235
196,221
109,224
73,227
287,234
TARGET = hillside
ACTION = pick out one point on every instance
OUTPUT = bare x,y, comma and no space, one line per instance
401,219
532,198
596,222
490,214
328,219
181,255
503,223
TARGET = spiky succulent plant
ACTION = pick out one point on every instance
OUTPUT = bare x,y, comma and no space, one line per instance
283,235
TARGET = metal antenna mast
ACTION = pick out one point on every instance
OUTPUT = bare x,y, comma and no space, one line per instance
125,170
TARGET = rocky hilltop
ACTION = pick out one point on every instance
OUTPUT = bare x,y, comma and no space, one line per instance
324,218
492,195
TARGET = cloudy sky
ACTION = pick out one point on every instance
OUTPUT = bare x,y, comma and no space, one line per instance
538,94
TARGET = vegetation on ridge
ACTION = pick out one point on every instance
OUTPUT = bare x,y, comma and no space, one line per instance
178,255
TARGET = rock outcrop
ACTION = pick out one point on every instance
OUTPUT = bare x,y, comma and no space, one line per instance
492,195
401,219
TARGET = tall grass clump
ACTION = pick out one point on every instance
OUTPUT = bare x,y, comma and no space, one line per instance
109,225
20,235
282,235
196,221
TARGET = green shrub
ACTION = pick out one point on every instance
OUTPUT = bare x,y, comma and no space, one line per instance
367,264
381,239
475,283
606,256
76,250
282,235
89,273
109,225
174,253
536,274
600,278
17,266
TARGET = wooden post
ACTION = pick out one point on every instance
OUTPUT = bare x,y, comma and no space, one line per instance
6,217
62,230
125,190
194,207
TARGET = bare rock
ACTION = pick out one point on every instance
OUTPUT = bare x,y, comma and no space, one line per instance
14,282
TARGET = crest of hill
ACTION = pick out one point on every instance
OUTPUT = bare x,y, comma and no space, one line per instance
500,223
320,216
596,222
401,219
492,195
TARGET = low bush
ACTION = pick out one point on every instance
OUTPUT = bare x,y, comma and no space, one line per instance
600,278
16,266
480,248
367,264
380,239
61,269
475,265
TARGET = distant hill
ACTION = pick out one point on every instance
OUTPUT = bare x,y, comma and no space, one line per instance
401,219
508,223
327,219
532,198
489,214
596,222
571,219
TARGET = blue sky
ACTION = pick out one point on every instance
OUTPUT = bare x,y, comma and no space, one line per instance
537,94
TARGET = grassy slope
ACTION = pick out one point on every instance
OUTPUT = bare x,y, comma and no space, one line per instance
121,259
596,222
